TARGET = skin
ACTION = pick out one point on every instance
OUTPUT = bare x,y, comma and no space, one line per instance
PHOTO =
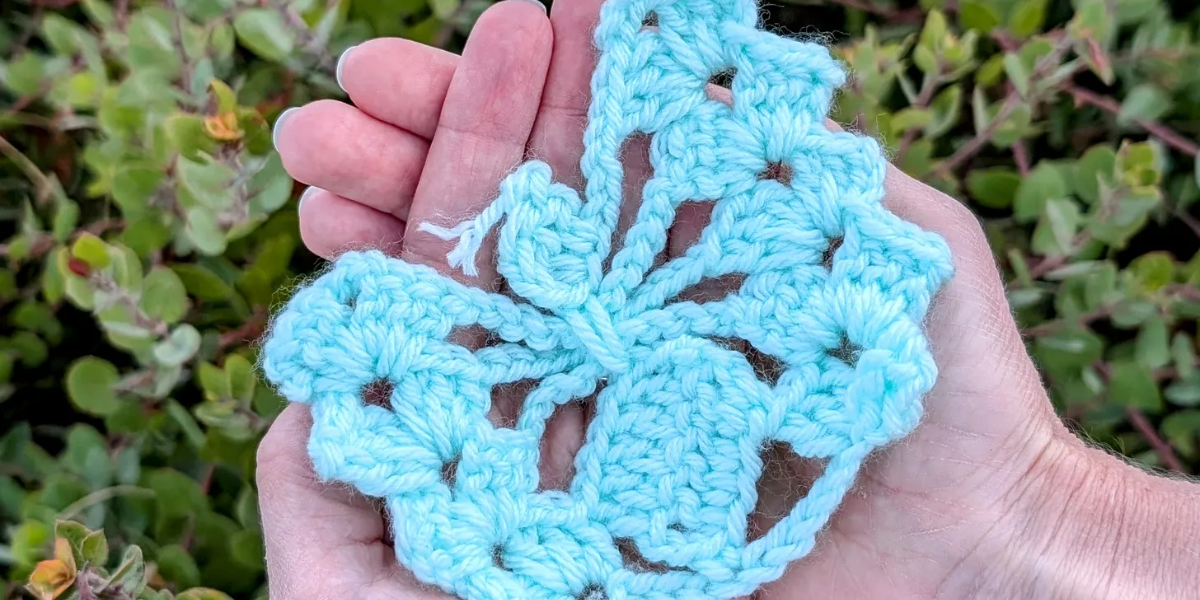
991,497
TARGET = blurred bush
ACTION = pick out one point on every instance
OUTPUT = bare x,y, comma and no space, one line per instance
149,229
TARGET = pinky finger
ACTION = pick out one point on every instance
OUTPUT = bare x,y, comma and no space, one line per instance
331,225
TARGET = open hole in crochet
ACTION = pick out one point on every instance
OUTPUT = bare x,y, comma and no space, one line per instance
593,591
830,250
636,562
565,432
711,290
474,337
378,393
507,400
846,351
766,367
786,478
723,78
650,20
450,471
777,171
498,557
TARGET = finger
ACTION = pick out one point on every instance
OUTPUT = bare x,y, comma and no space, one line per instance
481,136
331,225
318,537
398,81
558,135
339,148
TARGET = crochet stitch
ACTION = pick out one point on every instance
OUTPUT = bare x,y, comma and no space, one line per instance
835,288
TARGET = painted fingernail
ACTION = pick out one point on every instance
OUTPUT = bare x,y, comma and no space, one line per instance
538,3
341,64
279,126
304,196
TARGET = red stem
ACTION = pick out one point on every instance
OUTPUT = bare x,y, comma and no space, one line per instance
1163,449
1165,134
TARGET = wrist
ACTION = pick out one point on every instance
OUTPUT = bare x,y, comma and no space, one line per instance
1087,525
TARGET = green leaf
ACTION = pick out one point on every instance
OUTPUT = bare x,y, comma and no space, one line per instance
29,347
94,549
145,236
1153,271
1144,102
176,494
202,283
1069,350
63,35
1132,385
187,136
1092,20
1027,18
25,74
246,547
242,380
202,594
179,347
152,48
91,250
1055,231
204,232
226,97
130,575
164,296
993,188
1041,184
444,9
945,110
925,60
264,33
1182,429
208,181
134,184
978,15
99,12
1018,74
90,385
1096,166
910,118
215,383
271,187
1150,347
245,509
176,565
1184,392
66,217
1183,353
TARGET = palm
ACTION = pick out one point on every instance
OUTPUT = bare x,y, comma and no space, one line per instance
429,141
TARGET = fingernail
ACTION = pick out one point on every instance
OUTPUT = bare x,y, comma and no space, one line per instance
279,126
341,64
538,3
304,196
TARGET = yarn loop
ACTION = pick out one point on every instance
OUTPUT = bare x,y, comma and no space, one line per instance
821,281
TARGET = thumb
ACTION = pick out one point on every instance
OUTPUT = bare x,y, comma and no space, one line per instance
321,540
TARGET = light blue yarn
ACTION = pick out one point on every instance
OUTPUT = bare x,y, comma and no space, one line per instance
673,452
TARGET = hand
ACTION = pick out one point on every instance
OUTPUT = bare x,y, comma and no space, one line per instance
990,483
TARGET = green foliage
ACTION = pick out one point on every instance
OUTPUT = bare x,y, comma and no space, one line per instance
148,227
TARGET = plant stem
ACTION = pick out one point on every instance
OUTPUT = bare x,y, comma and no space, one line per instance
102,495
1164,134
1163,449
972,147
929,85
41,183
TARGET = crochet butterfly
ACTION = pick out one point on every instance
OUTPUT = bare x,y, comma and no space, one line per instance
833,288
